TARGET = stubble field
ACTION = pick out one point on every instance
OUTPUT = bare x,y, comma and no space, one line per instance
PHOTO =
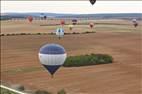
20,64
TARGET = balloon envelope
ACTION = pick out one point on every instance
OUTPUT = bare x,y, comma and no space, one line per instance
92,1
42,16
62,22
45,17
60,32
135,22
30,18
74,21
70,27
91,25
52,56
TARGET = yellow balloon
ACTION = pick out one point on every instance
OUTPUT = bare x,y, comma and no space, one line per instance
70,26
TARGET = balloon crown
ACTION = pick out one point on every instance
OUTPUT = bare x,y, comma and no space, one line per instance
92,1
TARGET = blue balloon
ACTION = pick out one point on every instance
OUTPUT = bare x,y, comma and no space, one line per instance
59,30
74,21
52,57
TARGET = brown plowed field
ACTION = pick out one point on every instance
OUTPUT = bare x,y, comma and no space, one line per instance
20,64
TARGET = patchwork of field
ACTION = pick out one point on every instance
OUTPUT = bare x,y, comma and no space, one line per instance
20,64
48,26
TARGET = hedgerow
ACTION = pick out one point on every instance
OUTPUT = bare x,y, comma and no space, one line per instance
85,60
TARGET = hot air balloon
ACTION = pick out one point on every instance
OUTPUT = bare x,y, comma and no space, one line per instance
52,57
30,18
62,22
135,22
91,25
70,27
42,16
74,21
45,17
60,32
92,1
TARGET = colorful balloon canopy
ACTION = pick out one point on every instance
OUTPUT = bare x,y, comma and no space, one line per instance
30,18
134,20
74,21
91,25
45,17
70,27
60,32
62,22
92,2
52,57
135,23
42,16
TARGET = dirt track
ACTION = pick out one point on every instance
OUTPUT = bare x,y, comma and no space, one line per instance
19,62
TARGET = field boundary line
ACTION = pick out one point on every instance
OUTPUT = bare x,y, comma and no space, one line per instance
13,90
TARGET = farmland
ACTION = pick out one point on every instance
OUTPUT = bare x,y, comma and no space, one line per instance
118,38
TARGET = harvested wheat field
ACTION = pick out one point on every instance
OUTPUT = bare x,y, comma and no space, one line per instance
48,26
20,64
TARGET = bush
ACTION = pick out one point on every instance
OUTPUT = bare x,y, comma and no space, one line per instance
29,33
67,33
75,33
7,34
42,92
22,33
84,60
2,35
61,92
38,33
86,32
17,34
50,33
13,34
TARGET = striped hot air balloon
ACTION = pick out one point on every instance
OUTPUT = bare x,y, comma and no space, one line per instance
60,32
52,57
